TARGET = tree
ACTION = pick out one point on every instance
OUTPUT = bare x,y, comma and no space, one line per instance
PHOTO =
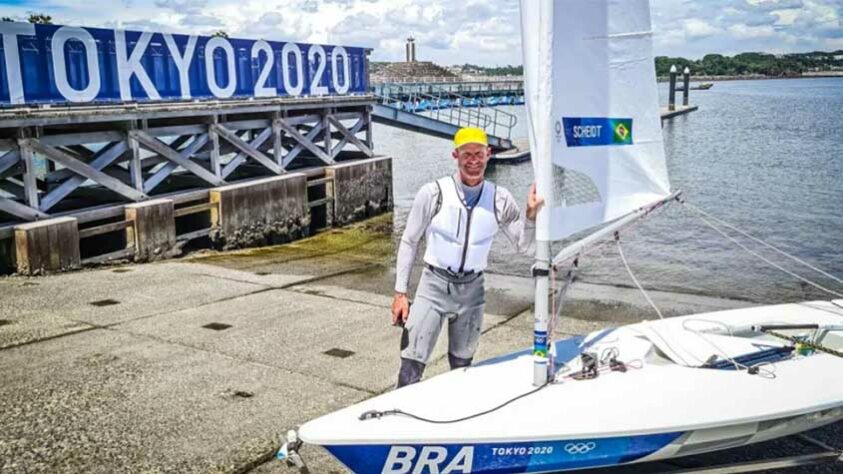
6,18
220,33
40,18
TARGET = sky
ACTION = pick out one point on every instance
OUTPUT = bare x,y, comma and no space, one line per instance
456,31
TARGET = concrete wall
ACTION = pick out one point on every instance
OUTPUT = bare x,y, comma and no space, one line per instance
262,212
362,189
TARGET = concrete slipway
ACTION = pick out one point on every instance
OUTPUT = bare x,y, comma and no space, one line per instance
111,369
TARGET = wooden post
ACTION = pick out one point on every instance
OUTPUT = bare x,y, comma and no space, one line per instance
215,147
687,81
153,229
47,246
326,125
277,149
671,101
135,170
30,181
368,115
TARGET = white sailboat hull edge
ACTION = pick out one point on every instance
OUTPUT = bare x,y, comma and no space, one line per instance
657,409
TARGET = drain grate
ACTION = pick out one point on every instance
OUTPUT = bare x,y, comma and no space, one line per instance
341,353
108,302
217,326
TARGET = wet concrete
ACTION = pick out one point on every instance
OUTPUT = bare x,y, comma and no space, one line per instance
142,382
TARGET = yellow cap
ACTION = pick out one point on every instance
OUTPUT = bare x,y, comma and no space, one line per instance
470,135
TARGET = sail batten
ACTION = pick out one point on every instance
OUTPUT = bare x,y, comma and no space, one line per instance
593,111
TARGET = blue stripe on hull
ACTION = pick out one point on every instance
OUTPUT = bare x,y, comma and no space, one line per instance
499,458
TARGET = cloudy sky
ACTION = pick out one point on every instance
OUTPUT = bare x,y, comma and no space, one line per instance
457,31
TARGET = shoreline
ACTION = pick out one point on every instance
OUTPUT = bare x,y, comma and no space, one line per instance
753,77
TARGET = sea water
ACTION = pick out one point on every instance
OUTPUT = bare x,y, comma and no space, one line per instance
766,156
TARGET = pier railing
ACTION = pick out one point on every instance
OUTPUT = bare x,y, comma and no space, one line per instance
451,108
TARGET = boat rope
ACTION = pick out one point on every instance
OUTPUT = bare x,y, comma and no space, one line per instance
632,275
763,258
808,344
764,369
762,242
376,414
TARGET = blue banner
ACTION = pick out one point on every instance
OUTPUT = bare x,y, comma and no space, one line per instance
597,131
65,64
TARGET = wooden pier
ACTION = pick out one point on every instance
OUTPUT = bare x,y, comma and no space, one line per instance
140,181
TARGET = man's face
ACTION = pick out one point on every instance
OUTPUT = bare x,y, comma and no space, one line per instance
471,161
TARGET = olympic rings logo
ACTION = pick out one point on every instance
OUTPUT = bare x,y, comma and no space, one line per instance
580,448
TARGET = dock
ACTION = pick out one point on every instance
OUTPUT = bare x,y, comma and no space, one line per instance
666,113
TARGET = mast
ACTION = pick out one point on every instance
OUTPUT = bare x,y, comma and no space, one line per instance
604,143
540,104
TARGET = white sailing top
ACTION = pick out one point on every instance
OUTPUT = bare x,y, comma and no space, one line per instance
513,222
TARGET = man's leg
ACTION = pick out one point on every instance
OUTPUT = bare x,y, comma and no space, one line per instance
417,341
465,328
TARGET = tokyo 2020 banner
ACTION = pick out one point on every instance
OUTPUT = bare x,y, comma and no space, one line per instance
67,64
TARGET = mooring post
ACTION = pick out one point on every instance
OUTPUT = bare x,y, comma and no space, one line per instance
671,101
687,81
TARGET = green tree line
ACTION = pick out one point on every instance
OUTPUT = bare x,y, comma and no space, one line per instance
754,63
719,65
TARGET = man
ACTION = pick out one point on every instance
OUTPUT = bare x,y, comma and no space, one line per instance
459,216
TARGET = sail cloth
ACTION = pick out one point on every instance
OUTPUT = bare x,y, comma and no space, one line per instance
592,102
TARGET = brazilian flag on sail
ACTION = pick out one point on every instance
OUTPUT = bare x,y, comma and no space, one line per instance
597,131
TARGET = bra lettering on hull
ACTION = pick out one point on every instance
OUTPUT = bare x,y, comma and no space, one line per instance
428,459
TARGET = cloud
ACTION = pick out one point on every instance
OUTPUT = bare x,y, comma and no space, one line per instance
460,31
186,7
695,28
201,20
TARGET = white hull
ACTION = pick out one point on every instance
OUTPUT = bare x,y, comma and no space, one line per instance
667,407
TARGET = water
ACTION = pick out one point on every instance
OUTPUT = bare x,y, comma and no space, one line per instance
763,155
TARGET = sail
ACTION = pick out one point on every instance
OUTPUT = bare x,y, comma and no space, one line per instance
592,102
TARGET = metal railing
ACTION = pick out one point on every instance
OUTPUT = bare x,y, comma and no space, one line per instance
450,108
437,86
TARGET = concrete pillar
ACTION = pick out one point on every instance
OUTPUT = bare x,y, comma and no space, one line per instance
50,245
362,189
153,229
671,100
262,212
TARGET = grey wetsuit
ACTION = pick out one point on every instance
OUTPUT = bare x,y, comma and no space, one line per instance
444,296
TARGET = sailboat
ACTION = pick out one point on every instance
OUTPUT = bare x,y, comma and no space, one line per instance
643,392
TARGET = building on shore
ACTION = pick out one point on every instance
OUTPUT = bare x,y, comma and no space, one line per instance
410,70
